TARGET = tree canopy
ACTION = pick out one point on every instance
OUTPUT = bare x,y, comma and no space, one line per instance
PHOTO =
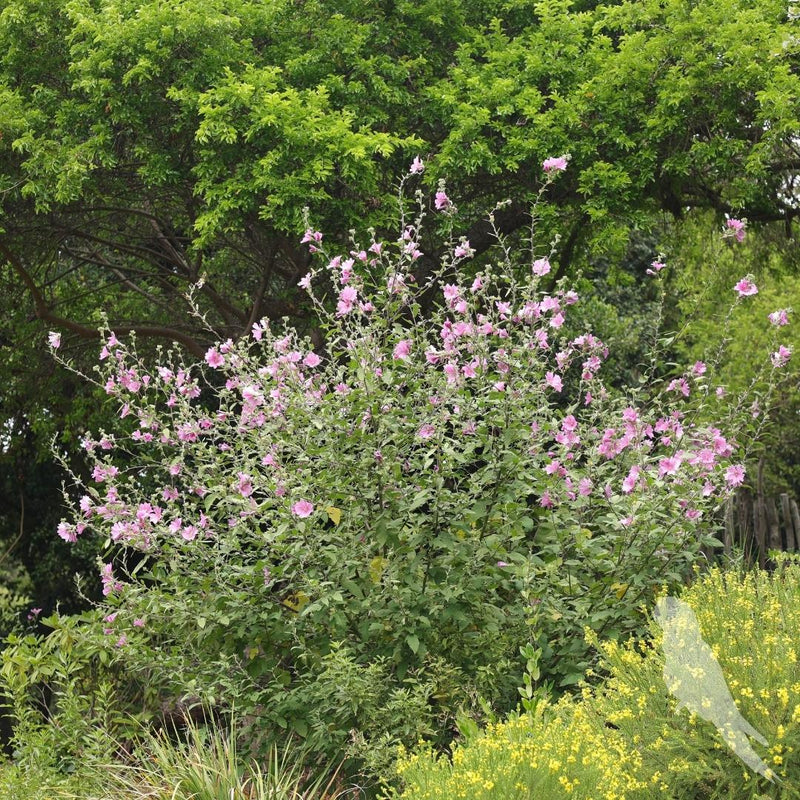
145,145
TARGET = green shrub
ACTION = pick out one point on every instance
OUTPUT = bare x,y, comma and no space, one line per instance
352,543
626,738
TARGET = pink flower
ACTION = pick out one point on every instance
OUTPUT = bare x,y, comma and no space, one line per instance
311,236
679,385
303,509
417,166
780,317
347,298
693,513
189,533
781,356
698,369
629,484
737,226
54,339
138,623
67,532
745,288
554,381
305,282
463,250
312,360
214,358
734,475
585,487
402,350
442,201
555,164
245,486
669,466
426,431
541,267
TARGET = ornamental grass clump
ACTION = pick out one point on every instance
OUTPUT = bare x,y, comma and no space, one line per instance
441,479
628,737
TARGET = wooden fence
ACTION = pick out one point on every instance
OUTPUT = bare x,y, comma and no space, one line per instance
755,524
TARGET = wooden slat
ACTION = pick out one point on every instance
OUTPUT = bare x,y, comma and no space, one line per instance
760,530
795,522
773,524
788,523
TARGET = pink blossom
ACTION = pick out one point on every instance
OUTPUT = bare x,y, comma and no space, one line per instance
442,201
585,487
781,356
347,298
546,501
555,164
734,475
305,282
312,360
417,166
477,284
245,485
693,513
679,385
629,484
54,339
67,532
554,381
451,294
189,533
303,509
138,623
745,288
656,267
669,466
698,369
541,267
780,317
463,250
214,358
737,226
402,350
426,431
311,236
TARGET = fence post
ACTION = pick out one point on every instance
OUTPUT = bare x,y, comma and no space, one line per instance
788,523
775,540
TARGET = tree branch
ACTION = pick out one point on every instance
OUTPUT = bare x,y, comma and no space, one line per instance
46,314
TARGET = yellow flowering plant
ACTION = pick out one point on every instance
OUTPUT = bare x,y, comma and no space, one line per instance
626,738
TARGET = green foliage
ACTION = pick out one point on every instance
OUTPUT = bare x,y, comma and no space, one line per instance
701,286
352,546
626,736
204,763
67,697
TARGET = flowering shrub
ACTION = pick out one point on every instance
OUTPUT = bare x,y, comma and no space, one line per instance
411,503
627,738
